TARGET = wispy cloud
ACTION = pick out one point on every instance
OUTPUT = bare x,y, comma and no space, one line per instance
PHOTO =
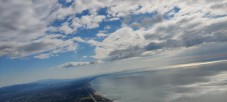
76,64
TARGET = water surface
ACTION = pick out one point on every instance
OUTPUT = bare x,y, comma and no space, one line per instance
201,82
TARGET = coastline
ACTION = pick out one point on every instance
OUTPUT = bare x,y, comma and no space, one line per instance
99,97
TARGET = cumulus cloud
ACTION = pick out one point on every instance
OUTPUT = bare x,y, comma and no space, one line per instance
120,44
85,22
187,32
15,22
166,29
147,25
91,21
101,35
46,44
23,25
78,39
91,42
78,7
66,29
177,33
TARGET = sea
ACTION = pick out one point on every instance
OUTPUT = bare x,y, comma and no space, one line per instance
193,82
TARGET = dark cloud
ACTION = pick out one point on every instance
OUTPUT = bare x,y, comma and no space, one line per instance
141,21
125,53
153,46
75,64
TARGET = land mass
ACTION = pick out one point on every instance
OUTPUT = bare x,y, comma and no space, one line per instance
71,90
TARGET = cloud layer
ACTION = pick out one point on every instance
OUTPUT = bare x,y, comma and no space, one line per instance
178,24
23,29
46,28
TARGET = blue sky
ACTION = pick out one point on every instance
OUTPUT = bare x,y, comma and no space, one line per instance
41,39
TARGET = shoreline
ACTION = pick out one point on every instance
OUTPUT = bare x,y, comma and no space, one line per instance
99,97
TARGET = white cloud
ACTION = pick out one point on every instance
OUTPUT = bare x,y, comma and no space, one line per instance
119,8
74,64
18,18
107,27
42,56
101,35
177,33
79,6
88,41
120,44
78,39
93,42
23,26
91,21
46,44
196,23
66,28
85,22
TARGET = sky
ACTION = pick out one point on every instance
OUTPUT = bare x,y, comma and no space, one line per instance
42,39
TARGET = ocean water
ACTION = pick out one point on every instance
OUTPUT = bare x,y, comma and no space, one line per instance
204,82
